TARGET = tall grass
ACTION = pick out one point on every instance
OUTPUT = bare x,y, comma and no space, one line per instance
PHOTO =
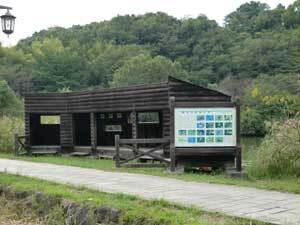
279,154
8,127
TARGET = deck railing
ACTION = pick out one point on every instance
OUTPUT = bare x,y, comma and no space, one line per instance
20,146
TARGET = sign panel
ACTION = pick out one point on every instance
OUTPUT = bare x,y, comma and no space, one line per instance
205,127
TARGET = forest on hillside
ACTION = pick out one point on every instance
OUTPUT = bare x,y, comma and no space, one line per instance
255,56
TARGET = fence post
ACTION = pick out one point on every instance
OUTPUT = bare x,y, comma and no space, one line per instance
17,145
117,146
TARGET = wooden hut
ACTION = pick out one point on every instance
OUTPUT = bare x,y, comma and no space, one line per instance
89,120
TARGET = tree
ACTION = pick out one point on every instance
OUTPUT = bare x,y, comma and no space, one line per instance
267,54
55,67
234,87
16,69
143,69
274,100
103,60
269,19
243,19
291,16
252,123
255,40
9,103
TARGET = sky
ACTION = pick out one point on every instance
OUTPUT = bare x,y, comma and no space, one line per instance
35,15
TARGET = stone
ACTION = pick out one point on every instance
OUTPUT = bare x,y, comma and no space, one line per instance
27,202
66,204
22,194
178,170
77,215
82,216
53,201
8,193
105,214
26,205
40,197
1,189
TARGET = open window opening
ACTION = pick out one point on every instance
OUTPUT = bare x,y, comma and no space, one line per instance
111,124
149,125
45,129
82,129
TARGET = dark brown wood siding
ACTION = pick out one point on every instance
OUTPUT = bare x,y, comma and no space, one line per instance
166,123
46,103
125,99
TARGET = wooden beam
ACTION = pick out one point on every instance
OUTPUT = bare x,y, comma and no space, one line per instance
117,146
133,116
145,141
17,146
204,104
144,165
172,134
201,151
238,156
93,132
27,129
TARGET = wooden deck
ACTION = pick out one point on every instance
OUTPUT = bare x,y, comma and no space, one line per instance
104,152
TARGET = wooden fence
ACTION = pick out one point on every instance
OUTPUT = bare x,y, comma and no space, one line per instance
134,145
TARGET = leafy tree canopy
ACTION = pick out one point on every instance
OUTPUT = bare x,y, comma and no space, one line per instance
255,40
143,69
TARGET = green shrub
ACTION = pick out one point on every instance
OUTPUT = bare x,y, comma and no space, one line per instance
279,153
8,127
252,123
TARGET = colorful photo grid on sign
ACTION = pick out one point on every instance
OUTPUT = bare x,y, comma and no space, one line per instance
205,128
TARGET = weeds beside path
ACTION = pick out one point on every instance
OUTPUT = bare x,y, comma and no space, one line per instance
134,210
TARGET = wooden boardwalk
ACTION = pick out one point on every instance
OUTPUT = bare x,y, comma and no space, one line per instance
269,206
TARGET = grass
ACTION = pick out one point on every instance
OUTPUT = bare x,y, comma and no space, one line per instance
136,211
291,185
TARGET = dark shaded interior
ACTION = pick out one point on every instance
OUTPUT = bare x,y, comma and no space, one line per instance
82,129
107,124
150,129
43,134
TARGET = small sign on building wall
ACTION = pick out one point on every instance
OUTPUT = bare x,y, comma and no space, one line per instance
205,127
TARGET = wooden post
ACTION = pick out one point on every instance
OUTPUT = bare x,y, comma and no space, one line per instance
27,129
134,128
238,160
238,156
93,132
117,146
17,145
172,135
